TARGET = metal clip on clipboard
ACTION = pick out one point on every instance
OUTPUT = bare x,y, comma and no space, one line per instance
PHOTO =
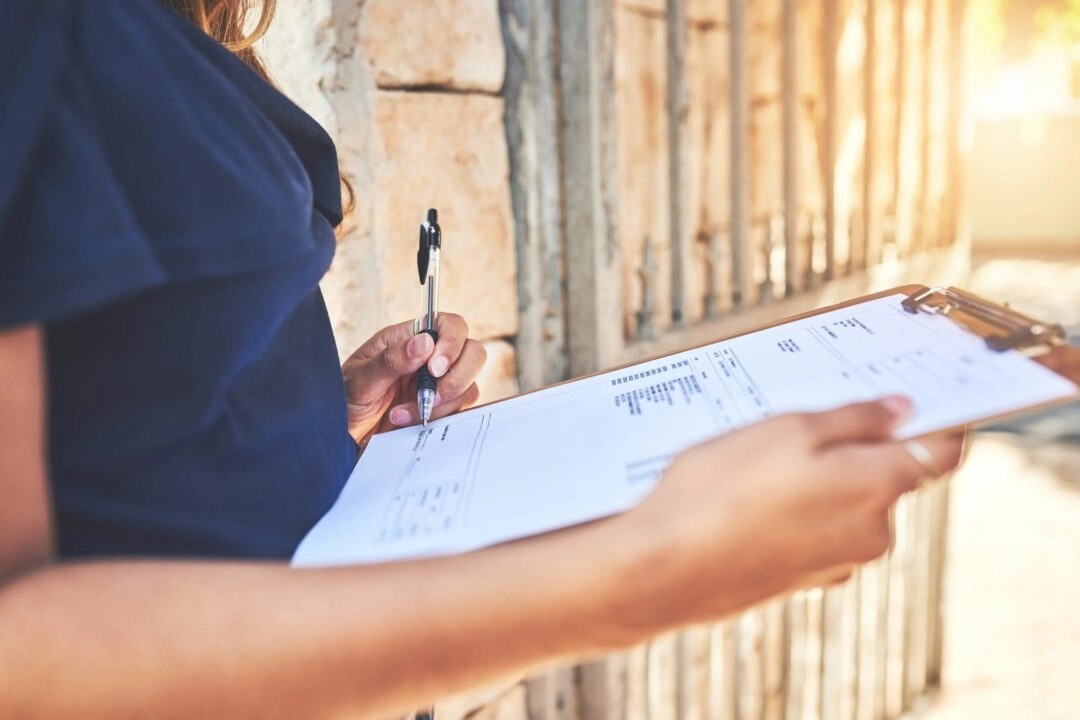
1000,326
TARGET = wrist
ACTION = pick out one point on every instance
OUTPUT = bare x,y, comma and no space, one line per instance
639,562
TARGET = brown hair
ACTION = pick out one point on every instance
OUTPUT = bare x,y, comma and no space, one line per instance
226,21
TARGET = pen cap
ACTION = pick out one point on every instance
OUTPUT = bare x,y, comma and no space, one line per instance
434,231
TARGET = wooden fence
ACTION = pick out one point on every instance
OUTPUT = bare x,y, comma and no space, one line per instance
681,169
866,650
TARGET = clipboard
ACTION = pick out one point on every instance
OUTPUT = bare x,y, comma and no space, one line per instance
999,326
596,445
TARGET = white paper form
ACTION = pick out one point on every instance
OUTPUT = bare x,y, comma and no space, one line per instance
594,447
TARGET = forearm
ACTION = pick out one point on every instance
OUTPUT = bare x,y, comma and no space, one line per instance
118,639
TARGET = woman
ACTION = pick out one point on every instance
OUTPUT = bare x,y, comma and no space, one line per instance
175,419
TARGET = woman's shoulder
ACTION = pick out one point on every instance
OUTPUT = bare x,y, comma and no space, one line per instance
129,147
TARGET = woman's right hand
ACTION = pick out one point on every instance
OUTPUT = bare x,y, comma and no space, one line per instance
792,502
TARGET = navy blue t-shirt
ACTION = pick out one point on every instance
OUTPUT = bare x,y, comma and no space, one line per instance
165,216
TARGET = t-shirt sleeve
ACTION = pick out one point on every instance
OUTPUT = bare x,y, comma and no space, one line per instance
69,241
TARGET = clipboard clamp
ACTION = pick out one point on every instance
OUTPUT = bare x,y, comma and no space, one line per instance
1000,326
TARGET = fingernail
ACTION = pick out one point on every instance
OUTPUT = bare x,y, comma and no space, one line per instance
439,365
898,405
399,416
419,346
438,399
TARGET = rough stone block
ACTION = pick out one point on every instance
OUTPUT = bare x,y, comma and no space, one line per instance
298,54
445,43
445,151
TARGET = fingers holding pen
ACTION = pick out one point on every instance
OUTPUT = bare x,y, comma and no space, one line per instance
456,390
453,333
409,414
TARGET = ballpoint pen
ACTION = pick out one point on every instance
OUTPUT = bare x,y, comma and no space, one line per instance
427,264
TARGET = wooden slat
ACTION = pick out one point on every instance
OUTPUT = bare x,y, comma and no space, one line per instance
553,695
751,666
925,230
866,642
901,211
604,689
789,84
532,127
849,665
830,39
661,684
593,275
775,651
920,597
741,262
939,494
832,673
956,186
815,655
912,588
795,666
871,224
692,648
723,672
678,115
637,699
898,608
881,646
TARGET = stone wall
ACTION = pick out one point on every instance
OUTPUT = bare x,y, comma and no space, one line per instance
410,92
413,92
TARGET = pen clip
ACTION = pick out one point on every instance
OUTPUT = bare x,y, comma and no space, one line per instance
423,255
1002,328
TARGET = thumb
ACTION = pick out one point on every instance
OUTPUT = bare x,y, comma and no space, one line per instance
864,421
397,360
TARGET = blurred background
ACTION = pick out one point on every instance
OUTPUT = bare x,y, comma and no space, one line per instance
620,178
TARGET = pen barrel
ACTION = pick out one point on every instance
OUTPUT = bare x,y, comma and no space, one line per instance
429,294
424,379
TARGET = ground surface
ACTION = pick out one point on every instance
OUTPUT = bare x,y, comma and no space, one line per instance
1012,606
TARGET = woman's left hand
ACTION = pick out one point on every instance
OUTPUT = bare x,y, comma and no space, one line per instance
380,377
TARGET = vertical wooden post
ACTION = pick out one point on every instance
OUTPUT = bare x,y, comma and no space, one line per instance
740,173
776,645
532,132
881,646
789,84
901,202
553,695
750,665
593,275
939,493
678,114
956,190
871,212
925,229
723,672
829,48
795,670
832,655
